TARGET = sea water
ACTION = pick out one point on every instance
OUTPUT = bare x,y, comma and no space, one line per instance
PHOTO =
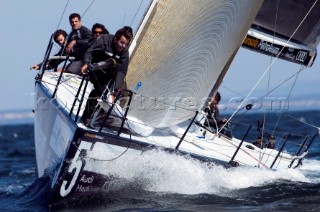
167,182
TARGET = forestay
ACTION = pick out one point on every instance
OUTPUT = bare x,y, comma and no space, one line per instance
179,52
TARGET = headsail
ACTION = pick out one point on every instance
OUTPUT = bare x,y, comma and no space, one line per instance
182,49
280,21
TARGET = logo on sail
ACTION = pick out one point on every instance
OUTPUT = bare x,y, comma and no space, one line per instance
250,41
265,46
301,56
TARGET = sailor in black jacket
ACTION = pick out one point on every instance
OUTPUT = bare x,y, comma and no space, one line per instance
77,40
60,37
213,116
78,37
108,60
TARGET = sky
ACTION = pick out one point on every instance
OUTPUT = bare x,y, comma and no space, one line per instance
27,25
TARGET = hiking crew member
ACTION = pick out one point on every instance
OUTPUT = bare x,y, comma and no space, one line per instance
108,59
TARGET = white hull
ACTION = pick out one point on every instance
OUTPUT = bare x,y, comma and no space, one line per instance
53,132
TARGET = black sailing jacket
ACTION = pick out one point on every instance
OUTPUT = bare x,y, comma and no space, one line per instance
82,37
102,49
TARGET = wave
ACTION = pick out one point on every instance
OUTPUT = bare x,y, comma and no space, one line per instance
159,171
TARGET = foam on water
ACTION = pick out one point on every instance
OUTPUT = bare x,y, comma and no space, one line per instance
310,165
9,189
159,171
311,169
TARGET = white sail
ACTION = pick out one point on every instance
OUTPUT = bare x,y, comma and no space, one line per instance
180,54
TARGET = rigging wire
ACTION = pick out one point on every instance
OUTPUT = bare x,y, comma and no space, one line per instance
269,78
124,18
233,91
270,91
287,100
274,60
88,8
280,84
65,8
134,17
264,96
303,122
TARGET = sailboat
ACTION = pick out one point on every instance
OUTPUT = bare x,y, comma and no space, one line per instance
178,58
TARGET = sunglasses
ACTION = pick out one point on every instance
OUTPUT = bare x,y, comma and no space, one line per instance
98,32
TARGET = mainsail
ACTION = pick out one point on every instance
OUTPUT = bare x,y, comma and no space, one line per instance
182,48
288,28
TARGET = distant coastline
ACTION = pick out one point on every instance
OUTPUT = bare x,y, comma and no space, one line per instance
16,117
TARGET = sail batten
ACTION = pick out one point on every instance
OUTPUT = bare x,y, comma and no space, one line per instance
182,50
